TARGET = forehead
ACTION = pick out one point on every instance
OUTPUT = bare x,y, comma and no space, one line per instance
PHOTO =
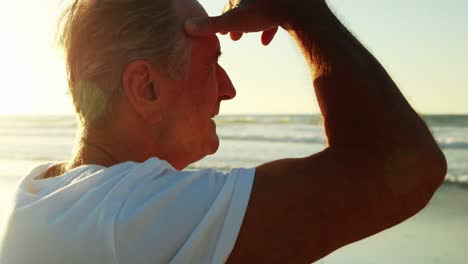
192,8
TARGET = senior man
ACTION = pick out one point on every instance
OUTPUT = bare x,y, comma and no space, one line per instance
146,84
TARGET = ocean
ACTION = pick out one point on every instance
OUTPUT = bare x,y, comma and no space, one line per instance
246,141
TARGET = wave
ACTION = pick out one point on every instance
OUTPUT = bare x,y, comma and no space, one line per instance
222,168
451,130
38,121
268,119
432,120
449,143
305,138
33,157
445,143
457,180
447,120
274,139
68,120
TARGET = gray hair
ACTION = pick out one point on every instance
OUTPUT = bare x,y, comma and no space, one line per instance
101,37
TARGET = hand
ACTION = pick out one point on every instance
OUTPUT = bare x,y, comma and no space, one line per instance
242,16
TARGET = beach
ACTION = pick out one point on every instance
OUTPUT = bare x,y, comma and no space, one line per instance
438,234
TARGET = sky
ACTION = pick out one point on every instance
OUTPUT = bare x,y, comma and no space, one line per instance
423,44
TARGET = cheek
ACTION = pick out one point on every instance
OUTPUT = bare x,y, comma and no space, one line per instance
212,87
205,95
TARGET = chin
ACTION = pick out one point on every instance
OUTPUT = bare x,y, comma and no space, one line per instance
213,145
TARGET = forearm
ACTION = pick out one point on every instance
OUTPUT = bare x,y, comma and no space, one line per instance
360,103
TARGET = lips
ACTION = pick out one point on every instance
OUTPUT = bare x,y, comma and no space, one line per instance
215,113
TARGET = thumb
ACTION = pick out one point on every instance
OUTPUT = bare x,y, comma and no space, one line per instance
199,26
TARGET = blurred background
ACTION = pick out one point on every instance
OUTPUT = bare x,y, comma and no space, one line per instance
422,44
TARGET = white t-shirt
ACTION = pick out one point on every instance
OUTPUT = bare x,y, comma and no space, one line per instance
128,213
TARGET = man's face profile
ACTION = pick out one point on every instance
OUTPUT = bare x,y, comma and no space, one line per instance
192,101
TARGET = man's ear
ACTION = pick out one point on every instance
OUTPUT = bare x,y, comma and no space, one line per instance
140,85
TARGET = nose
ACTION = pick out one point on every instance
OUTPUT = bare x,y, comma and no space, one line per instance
225,86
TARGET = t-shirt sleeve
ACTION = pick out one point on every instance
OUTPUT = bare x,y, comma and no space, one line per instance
182,217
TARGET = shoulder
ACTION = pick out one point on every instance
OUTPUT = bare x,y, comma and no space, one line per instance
155,179
187,212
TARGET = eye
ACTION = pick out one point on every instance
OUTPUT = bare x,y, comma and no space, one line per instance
213,66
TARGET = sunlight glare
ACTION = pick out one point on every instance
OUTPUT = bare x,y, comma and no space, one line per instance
34,79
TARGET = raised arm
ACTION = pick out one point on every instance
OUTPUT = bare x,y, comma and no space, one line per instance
381,166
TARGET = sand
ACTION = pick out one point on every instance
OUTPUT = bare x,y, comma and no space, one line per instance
438,234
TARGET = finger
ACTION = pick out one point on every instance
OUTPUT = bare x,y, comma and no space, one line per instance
269,35
236,35
226,8
237,19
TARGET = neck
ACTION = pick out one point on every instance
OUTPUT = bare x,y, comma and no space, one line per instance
128,139
108,147
93,153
